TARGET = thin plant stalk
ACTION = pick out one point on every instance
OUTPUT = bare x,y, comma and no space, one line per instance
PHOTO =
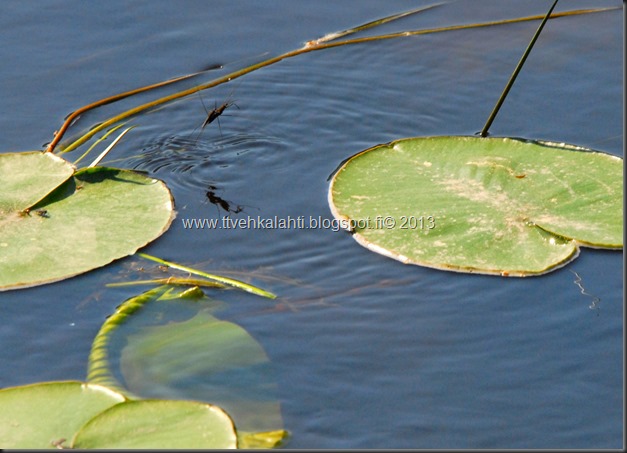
110,147
375,23
169,281
512,79
225,280
310,46
117,97
109,132
76,114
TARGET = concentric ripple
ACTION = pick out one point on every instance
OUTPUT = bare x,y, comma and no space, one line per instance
192,164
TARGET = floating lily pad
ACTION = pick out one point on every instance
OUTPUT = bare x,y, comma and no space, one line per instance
56,222
78,415
486,205
158,424
22,185
38,415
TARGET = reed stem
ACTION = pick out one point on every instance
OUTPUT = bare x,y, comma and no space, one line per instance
512,79
323,43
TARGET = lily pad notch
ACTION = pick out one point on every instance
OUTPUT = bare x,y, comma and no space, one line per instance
57,222
74,414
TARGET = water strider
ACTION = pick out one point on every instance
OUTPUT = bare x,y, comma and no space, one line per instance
214,114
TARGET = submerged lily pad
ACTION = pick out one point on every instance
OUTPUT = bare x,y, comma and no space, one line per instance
486,205
201,358
56,222
208,359
36,416
158,424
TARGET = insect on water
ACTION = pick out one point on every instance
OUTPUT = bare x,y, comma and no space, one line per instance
214,114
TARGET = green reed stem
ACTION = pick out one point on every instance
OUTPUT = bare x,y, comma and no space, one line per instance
225,280
104,137
375,23
310,46
117,97
169,281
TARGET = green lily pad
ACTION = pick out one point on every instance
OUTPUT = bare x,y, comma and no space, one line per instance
22,187
486,205
56,222
38,415
158,424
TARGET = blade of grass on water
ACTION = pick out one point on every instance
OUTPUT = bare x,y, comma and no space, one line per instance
110,147
227,281
312,46
169,281
340,34
104,137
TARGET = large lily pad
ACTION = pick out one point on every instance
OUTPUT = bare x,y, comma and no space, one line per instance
81,415
158,424
487,205
36,416
56,222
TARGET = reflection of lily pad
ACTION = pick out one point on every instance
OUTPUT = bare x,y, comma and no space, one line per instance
34,416
487,205
85,220
157,424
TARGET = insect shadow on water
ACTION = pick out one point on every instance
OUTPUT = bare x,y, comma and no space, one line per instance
221,203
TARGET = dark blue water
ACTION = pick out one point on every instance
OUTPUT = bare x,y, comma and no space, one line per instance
367,352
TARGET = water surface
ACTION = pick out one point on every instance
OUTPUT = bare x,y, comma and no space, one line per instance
368,352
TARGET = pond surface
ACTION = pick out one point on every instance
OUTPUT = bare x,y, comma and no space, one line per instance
368,352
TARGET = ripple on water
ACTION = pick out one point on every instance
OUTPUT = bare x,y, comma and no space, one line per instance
190,164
